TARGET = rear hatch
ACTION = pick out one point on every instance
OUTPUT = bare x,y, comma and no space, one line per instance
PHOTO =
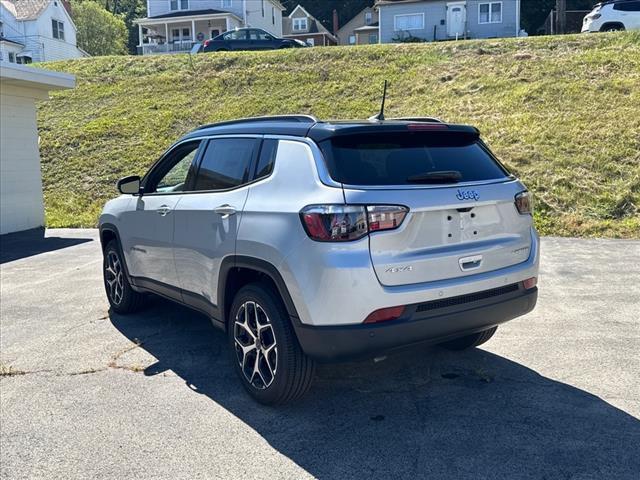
462,217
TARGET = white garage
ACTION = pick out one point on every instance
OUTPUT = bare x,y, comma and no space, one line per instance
21,203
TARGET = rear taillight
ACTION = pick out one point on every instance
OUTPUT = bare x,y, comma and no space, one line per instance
524,203
529,283
206,43
344,223
385,315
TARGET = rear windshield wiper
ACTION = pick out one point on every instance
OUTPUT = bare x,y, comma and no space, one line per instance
444,176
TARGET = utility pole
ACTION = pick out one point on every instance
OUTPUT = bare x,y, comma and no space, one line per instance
561,16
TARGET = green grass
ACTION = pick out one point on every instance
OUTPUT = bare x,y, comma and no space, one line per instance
561,112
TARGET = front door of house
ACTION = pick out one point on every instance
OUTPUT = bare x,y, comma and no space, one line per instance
456,18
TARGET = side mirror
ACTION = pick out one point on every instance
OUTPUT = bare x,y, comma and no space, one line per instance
129,185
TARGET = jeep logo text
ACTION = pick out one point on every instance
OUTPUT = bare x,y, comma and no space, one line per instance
467,195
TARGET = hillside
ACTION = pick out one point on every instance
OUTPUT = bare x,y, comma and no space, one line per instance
561,112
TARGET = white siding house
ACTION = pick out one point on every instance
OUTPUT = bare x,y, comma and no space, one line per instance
176,25
21,206
36,31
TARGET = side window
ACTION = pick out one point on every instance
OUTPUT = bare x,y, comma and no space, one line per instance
226,162
627,6
171,175
267,158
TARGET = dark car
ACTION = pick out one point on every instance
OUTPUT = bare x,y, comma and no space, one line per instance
248,39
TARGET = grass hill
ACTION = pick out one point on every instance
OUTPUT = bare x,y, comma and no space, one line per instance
561,112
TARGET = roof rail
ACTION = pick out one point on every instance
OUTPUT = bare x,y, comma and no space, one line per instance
271,118
418,119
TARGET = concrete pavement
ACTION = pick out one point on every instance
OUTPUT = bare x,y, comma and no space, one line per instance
89,394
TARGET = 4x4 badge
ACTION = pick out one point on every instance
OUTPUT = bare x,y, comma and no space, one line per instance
467,195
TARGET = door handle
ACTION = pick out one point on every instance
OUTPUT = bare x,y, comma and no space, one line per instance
163,210
225,210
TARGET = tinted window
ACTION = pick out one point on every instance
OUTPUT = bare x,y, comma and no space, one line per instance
391,159
171,174
226,163
627,6
267,158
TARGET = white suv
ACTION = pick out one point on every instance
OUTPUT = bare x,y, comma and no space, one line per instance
307,240
613,15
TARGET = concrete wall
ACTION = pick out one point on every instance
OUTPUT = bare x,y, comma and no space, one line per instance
21,204
435,16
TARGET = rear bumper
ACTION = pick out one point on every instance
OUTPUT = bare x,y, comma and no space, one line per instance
431,322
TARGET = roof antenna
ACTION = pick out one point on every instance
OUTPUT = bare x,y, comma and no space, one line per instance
378,117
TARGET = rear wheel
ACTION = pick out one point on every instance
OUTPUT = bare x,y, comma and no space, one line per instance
122,298
613,27
470,341
264,349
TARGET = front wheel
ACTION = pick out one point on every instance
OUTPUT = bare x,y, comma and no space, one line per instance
264,349
470,341
122,298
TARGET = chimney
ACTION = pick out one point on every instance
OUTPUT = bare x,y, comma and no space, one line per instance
336,25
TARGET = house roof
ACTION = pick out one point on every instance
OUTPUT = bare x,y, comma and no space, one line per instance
190,13
3,39
391,2
315,26
373,26
26,9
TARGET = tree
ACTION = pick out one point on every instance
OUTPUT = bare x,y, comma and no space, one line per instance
99,32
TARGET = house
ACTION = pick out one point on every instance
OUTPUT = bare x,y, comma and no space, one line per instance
431,20
37,31
21,206
301,25
177,25
361,29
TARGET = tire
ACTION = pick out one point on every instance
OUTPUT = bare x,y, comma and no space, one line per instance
470,341
222,50
613,28
122,298
283,373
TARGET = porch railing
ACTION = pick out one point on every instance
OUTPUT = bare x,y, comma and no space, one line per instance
175,47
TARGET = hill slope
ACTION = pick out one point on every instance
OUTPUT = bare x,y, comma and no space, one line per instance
561,112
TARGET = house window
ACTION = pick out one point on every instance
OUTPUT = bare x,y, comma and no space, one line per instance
12,57
58,29
226,3
368,18
179,4
273,15
175,34
352,39
186,34
413,21
299,24
490,12
311,42
262,4
373,38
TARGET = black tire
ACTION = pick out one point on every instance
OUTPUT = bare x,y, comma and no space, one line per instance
122,298
222,50
613,28
470,341
293,370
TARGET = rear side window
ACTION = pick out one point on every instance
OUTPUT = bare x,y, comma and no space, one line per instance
267,158
226,163
398,158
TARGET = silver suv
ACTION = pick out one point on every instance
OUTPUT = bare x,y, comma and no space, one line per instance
322,241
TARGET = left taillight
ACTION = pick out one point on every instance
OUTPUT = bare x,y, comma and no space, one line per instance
344,223
206,43
524,203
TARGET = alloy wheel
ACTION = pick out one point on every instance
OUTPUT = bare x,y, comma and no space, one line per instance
255,345
114,278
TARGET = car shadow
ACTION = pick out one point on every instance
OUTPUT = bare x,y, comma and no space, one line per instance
14,246
424,412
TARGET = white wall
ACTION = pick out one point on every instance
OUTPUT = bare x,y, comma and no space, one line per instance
21,205
257,20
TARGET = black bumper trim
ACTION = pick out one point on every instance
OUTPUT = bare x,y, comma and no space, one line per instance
435,326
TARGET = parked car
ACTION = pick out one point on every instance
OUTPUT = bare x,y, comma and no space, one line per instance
613,15
308,240
249,39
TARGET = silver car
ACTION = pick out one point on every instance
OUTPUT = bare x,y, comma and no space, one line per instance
316,241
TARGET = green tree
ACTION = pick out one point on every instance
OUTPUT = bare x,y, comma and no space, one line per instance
99,32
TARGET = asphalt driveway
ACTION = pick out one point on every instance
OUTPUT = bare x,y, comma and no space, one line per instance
89,394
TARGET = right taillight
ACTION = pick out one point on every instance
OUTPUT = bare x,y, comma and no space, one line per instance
344,223
524,203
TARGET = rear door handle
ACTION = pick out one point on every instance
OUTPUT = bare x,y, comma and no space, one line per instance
470,263
164,210
225,210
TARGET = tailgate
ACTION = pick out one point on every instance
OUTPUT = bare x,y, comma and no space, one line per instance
449,232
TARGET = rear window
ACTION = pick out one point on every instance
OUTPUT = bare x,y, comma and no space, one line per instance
395,158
